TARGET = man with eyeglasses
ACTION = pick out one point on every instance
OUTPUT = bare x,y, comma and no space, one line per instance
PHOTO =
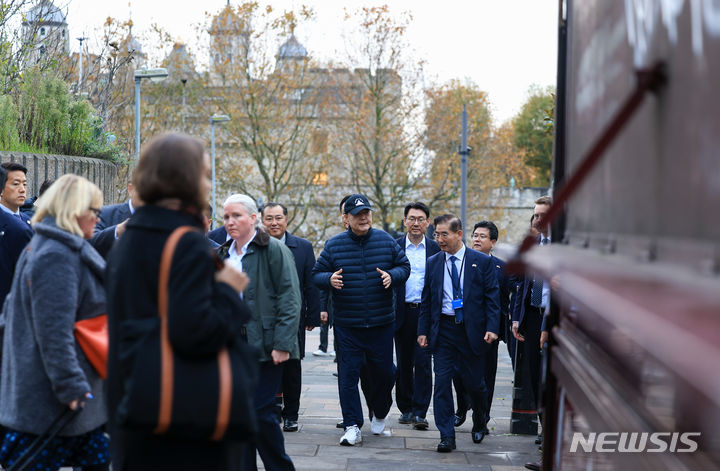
484,238
275,220
413,387
459,317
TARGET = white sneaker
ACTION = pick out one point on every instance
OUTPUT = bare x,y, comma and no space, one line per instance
352,436
377,426
319,353
332,354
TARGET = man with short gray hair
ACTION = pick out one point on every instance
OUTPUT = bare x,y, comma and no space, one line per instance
273,297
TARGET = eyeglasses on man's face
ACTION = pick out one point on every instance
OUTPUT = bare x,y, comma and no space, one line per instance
419,220
479,236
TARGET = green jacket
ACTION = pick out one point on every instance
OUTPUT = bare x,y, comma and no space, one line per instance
273,295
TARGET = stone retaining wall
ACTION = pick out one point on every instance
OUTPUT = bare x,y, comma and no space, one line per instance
44,166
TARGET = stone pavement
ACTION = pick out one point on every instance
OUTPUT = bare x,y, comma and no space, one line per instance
315,446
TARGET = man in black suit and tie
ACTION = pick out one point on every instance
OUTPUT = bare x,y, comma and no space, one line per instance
530,307
15,233
459,316
275,220
413,386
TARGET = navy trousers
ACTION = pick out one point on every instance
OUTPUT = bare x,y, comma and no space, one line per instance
452,348
269,441
413,388
372,346
291,388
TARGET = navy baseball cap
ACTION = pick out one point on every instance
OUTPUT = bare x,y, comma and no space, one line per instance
356,203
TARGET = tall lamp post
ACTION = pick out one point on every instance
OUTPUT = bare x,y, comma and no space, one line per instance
80,71
464,151
156,75
216,118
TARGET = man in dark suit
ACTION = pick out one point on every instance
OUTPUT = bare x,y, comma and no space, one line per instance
484,237
459,316
14,191
529,309
275,219
413,387
112,222
15,233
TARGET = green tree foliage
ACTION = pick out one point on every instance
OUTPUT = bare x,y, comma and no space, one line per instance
534,132
9,138
48,117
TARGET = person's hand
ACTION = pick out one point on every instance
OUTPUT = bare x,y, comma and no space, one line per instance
422,341
518,336
336,280
490,337
280,356
120,228
543,338
236,279
386,278
324,317
555,283
309,327
75,403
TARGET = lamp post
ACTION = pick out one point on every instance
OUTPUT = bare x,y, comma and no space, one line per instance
464,151
80,71
216,118
156,75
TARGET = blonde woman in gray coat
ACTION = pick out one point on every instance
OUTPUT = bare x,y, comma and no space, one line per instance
57,281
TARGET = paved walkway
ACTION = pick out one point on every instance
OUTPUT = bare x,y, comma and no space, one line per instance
315,446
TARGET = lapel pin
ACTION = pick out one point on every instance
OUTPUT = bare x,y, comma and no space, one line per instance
475,265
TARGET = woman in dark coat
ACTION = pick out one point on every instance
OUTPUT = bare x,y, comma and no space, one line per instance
58,281
205,312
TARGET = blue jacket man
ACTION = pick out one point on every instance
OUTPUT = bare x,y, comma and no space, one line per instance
459,315
413,387
360,265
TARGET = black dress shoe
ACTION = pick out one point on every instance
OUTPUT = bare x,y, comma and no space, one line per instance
340,424
290,425
538,440
460,418
446,445
478,436
420,423
533,466
405,418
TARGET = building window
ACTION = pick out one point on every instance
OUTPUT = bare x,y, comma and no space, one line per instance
320,178
319,142
42,31
42,49
63,33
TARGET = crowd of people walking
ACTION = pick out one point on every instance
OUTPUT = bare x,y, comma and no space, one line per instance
205,330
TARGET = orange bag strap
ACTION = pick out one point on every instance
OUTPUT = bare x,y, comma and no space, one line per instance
166,353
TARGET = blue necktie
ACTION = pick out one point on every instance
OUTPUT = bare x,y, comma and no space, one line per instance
536,292
456,287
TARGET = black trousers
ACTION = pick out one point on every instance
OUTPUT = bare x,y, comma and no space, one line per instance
530,329
413,388
291,389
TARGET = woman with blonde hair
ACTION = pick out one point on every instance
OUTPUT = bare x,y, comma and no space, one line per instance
58,281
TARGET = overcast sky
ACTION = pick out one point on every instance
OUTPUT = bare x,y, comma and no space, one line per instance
502,45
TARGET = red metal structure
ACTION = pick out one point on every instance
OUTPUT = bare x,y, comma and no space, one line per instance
635,344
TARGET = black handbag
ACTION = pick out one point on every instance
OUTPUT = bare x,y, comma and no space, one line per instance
195,397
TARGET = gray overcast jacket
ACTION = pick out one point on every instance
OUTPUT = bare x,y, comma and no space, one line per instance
58,280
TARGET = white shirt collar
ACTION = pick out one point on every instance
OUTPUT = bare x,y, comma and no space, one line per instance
460,254
132,209
408,242
243,250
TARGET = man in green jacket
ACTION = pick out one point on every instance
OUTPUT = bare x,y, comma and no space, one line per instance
273,297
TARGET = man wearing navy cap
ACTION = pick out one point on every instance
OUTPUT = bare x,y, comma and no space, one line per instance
360,266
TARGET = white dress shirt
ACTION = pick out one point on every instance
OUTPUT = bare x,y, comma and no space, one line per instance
447,280
416,281
235,257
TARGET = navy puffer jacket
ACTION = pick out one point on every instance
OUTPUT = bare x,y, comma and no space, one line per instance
362,302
